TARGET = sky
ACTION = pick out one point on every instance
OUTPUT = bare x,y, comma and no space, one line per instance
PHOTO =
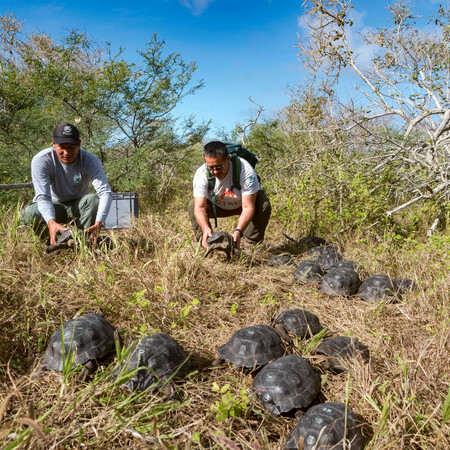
243,48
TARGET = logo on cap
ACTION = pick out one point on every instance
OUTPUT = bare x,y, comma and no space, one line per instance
67,130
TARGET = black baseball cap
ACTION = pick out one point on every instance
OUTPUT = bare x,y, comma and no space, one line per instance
66,133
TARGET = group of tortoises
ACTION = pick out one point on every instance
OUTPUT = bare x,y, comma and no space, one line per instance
283,383
287,384
87,340
327,268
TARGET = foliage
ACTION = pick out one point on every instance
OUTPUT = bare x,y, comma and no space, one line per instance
123,109
403,118
230,405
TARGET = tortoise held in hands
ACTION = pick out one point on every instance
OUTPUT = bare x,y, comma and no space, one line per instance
159,358
223,242
341,348
298,322
340,281
327,426
251,347
65,239
308,272
286,384
88,338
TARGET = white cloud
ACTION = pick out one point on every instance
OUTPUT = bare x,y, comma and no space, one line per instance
196,6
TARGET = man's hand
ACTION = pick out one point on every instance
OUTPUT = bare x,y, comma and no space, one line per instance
237,238
53,228
94,230
207,232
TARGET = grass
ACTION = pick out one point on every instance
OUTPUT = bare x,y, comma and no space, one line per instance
168,286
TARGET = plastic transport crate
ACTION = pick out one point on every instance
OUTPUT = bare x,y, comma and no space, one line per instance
123,207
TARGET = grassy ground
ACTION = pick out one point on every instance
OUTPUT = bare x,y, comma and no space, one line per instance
169,287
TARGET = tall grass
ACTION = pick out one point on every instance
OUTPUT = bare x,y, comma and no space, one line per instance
168,286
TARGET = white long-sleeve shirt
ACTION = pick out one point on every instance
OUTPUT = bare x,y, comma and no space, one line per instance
55,180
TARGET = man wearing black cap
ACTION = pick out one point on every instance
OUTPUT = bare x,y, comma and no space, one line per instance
61,176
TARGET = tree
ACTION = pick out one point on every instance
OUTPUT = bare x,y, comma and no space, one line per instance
405,114
123,109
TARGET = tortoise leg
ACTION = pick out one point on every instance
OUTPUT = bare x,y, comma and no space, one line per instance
208,251
170,392
87,370
282,332
217,362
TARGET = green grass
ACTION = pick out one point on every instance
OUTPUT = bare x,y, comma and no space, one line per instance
403,393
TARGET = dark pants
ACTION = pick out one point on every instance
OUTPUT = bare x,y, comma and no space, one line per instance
82,210
256,228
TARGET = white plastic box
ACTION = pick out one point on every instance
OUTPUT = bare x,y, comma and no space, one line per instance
123,207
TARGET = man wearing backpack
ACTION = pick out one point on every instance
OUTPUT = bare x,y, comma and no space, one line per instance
220,193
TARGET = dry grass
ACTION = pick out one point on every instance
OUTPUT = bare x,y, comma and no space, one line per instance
171,288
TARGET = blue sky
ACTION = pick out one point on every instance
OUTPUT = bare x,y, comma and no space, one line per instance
242,48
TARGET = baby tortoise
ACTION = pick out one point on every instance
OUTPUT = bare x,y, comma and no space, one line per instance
341,348
87,338
376,288
329,425
340,281
280,260
308,272
298,322
159,359
286,384
306,243
251,347
221,241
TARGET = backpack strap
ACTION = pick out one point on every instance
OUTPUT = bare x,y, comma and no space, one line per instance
236,167
211,184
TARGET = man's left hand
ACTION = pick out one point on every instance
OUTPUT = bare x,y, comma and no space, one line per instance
94,230
237,238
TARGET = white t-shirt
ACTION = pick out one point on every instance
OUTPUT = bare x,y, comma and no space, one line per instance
226,198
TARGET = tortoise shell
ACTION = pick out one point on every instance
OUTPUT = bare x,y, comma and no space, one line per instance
308,272
252,346
299,322
309,242
286,384
377,287
329,426
340,281
347,264
339,349
403,285
160,358
280,260
322,250
89,338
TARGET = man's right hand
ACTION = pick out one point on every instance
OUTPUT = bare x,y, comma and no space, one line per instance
53,228
206,234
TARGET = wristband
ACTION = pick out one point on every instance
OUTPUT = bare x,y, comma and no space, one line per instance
240,232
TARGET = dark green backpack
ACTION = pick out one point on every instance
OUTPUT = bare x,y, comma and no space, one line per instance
235,151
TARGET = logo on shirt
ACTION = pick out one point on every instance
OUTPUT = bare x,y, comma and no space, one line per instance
77,179
227,193
252,179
